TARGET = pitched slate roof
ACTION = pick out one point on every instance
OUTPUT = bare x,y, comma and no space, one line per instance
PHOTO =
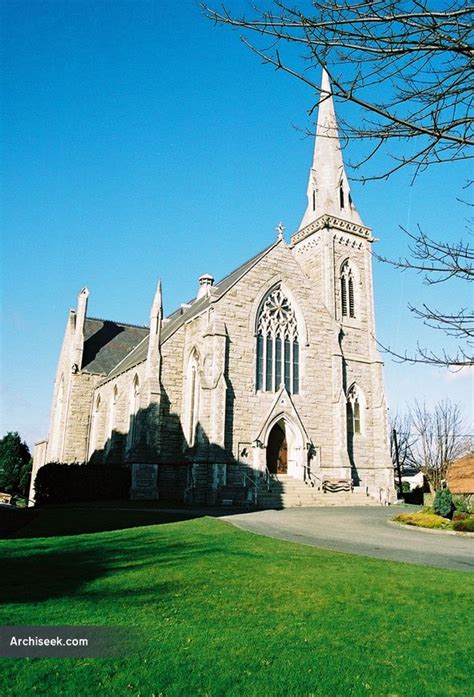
106,343
185,314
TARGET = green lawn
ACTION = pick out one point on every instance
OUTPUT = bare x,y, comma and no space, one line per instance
223,612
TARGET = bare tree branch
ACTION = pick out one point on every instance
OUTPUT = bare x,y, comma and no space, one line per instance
425,53
438,441
408,65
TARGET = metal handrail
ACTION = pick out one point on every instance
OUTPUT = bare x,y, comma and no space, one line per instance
268,477
254,484
309,476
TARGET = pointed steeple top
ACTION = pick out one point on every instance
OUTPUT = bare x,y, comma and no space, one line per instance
328,187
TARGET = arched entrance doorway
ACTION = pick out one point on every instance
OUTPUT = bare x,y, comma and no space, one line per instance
277,450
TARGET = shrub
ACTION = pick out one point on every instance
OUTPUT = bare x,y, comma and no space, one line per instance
60,483
443,503
463,503
459,515
465,525
423,520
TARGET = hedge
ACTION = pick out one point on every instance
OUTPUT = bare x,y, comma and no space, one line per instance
61,483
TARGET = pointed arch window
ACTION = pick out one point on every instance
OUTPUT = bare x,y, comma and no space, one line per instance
94,426
278,352
348,308
193,385
354,412
133,406
111,418
341,195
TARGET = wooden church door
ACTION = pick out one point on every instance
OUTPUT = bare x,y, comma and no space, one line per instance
282,462
277,451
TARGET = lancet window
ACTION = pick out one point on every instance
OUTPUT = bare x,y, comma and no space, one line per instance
347,291
193,393
111,418
94,426
133,406
353,411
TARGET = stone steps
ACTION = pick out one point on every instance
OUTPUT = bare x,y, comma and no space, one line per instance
286,492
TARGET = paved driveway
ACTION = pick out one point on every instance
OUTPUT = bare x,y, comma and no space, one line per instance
363,531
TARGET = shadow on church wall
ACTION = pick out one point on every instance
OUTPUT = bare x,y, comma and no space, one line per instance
350,434
204,473
229,407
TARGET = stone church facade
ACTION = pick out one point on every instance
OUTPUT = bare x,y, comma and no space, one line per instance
271,372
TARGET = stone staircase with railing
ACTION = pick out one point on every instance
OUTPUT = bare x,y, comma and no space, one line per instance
284,491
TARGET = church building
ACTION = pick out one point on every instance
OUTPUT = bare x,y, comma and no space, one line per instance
267,383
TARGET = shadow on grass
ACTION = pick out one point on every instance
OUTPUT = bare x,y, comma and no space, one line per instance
77,520
12,519
41,570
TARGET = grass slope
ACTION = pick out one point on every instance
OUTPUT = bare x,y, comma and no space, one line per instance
224,612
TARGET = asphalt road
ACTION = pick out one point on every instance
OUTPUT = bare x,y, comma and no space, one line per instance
363,531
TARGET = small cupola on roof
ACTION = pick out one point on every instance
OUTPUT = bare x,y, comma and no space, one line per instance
328,187
206,281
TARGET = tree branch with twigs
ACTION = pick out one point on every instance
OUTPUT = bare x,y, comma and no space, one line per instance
438,439
407,65
425,52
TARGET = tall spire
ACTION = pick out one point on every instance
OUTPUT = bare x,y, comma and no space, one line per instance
328,187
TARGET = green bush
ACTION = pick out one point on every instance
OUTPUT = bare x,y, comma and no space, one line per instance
462,503
465,525
424,520
459,515
60,483
443,503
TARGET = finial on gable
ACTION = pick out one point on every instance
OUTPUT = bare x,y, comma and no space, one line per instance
280,228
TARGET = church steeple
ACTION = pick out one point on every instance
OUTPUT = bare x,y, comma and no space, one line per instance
328,187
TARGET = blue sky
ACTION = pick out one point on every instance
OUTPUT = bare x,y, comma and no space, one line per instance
140,141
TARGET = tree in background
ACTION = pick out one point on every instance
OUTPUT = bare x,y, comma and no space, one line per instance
407,65
402,424
439,439
15,465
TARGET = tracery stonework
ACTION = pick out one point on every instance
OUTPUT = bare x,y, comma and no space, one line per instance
277,344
